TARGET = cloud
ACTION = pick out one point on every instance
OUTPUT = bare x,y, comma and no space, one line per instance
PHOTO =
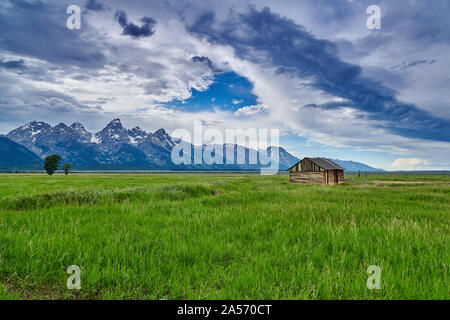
331,105
251,110
264,37
410,164
135,77
130,29
13,64
95,5
425,23
23,103
236,101
208,62
414,63
37,29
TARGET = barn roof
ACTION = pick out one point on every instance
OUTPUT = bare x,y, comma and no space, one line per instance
324,163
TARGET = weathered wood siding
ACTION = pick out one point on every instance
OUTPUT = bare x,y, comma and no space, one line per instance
332,175
306,166
307,177
341,175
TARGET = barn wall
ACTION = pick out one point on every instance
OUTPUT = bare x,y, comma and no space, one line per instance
308,166
341,175
332,177
307,177
295,168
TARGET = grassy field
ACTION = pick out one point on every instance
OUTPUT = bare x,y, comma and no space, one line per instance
209,236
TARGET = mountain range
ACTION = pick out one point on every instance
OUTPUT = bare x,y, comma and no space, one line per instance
117,148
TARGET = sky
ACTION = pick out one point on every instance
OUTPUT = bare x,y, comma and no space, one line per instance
311,69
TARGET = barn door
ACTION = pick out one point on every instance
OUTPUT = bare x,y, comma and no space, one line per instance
336,177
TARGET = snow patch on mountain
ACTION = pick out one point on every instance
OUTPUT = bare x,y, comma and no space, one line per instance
95,139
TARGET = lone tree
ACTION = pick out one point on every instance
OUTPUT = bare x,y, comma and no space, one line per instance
66,167
51,163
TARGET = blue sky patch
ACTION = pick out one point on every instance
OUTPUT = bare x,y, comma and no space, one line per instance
229,91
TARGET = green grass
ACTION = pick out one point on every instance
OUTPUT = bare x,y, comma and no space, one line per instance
208,236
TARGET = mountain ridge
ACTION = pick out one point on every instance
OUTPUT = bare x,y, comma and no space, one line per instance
117,147
16,156
353,166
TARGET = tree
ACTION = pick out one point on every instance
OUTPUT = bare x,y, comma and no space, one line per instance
51,163
66,167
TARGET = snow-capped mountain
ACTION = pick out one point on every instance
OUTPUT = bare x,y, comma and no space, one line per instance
115,147
112,135
31,134
137,135
163,139
39,136
80,133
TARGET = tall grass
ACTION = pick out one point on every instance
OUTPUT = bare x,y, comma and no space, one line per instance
221,236
104,197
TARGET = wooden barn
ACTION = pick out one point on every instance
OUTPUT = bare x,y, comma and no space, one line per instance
316,171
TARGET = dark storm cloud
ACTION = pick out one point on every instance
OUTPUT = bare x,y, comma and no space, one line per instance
13,64
331,105
294,50
405,65
135,31
95,5
207,61
37,29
